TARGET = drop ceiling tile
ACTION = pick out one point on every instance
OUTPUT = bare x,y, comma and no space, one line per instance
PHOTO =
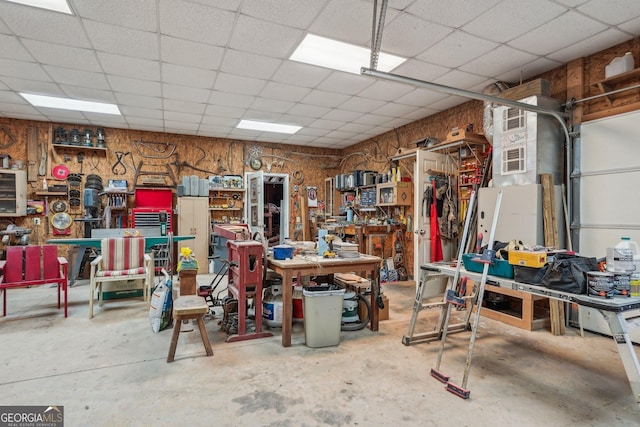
138,122
249,64
173,116
456,49
124,98
379,130
385,90
212,130
498,61
43,25
184,93
140,113
232,5
184,52
355,128
307,110
284,92
150,128
238,84
272,105
421,113
26,116
184,106
632,26
229,112
32,86
529,70
420,97
221,122
341,135
10,48
108,120
394,110
11,109
63,56
88,94
11,97
345,83
420,70
612,12
4,29
512,19
327,124
264,38
342,115
191,21
325,99
231,99
601,41
454,12
371,119
129,67
448,102
296,120
315,132
77,78
123,41
459,79
22,69
251,135
572,3
63,116
294,13
558,33
134,86
398,122
260,115
180,126
423,34
140,14
362,105
305,75
188,76
347,21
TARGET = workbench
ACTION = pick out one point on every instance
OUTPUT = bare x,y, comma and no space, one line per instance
621,313
85,243
313,265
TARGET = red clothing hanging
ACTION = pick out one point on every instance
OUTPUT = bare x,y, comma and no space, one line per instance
436,242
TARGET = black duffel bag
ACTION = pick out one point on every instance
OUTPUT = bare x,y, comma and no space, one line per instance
567,273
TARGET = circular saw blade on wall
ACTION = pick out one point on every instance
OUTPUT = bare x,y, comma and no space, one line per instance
59,206
61,223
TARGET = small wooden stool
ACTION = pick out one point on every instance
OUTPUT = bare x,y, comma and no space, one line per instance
187,308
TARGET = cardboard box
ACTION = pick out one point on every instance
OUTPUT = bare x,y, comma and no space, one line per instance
536,259
122,289
383,313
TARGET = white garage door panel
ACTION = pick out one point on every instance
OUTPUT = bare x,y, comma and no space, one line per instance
609,202
611,143
610,199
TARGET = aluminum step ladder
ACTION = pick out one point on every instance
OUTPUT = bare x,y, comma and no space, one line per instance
487,259
427,290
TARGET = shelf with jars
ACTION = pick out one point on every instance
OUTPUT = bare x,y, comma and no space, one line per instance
87,140
226,205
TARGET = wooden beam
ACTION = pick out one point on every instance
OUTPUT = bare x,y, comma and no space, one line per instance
550,223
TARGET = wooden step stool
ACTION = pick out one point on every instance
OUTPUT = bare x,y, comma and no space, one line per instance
187,308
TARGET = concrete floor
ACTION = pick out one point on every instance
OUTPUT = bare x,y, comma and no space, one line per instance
112,371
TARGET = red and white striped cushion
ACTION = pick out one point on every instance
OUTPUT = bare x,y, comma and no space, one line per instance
122,253
111,273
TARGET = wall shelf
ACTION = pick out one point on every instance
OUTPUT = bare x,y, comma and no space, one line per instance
612,84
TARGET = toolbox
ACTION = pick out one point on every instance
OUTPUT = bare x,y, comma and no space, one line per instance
498,268
535,259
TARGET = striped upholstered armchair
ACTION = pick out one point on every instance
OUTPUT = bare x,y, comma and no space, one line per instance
121,258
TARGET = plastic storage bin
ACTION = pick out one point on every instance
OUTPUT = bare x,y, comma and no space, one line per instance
500,268
322,315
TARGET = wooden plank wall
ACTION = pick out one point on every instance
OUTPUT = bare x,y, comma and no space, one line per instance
316,163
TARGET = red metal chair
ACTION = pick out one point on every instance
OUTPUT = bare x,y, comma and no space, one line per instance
121,258
27,266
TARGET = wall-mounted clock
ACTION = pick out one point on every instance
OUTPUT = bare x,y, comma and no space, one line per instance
256,163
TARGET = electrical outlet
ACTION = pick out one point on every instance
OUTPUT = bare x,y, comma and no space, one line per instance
36,221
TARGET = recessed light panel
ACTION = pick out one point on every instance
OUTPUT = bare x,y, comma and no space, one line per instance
341,56
70,104
55,5
268,127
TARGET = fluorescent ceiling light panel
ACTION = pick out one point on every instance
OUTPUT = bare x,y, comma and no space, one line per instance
55,5
268,127
70,104
341,56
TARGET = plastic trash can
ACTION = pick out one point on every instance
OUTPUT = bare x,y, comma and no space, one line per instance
322,315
